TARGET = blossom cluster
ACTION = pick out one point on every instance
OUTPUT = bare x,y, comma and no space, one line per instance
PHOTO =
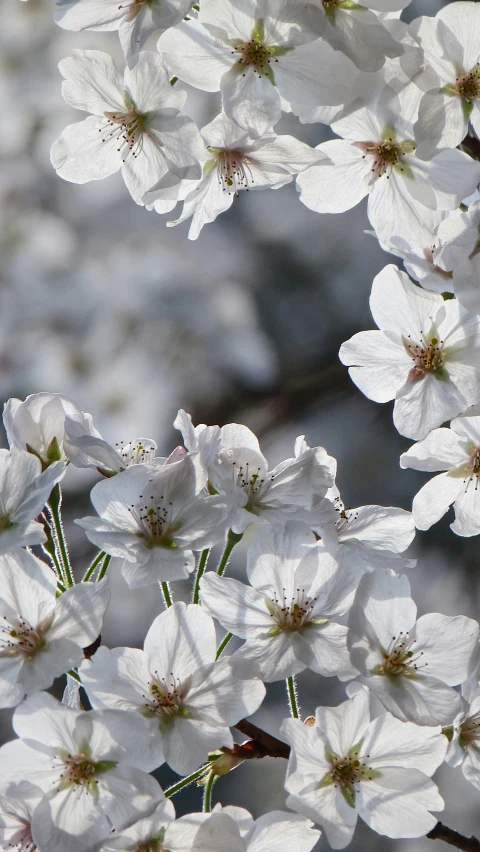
322,591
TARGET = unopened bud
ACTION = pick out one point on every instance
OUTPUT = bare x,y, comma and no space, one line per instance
223,761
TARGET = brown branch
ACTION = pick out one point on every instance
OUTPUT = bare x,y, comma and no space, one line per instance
264,744
448,835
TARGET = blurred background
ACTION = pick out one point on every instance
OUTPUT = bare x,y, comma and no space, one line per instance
99,301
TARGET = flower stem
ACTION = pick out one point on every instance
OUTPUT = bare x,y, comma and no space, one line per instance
223,644
184,782
75,675
54,506
167,595
49,548
207,793
94,564
293,697
202,564
103,569
232,540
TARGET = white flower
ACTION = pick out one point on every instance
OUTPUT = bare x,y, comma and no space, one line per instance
135,20
256,54
457,452
153,518
17,805
449,75
287,613
346,766
464,735
42,636
376,157
155,833
234,829
367,537
458,252
186,698
358,32
239,161
409,665
91,766
38,424
135,126
236,467
24,490
426,355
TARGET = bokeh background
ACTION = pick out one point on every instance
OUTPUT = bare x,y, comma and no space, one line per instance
100,301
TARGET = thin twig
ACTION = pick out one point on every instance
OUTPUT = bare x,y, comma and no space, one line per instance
448,835
267,743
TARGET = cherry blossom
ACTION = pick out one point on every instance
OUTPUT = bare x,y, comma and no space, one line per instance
42,636
287,614
135,20
135,126
24,490
464,734
376,156
153,518
426,355
256,54
238,161
38,424
345,766
92,767
18,801
367,537
357,31
185,698
234,829
236,467
160,830
449,76
410,665
457,452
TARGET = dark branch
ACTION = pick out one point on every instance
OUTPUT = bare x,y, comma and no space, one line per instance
264,744
448,835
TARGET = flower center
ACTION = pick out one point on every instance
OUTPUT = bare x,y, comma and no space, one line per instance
294,614
166,700
386,155
233,170
134,7
79,770
255,53
475,461
153,844
154,521
400,658
5,523
141,452
346,772
468,85
19,639
127,128
23,840
427,356
470,730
